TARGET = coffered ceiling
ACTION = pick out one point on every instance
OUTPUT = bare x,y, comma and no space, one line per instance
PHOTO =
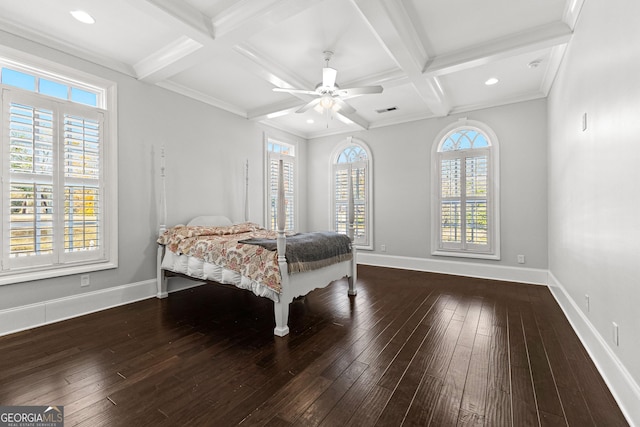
431,57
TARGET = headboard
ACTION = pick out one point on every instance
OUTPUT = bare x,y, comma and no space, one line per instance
211,221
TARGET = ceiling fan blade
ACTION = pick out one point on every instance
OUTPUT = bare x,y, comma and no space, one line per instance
306,92
308,105
355,91
329,77
343,106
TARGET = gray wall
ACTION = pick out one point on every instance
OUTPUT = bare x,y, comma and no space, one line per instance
206,150
594,200
401,162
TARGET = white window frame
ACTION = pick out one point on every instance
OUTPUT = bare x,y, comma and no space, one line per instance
367,242
66,263
492,250
292,159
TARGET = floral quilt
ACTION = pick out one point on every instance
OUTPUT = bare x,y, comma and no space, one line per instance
219,245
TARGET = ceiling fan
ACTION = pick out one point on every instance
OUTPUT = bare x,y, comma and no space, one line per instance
329,95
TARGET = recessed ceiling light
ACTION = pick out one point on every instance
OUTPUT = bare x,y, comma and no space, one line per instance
310,121
491,81
83,16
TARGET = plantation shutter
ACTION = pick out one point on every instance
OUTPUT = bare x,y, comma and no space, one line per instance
51,182
341,196
476,191
450,202
464,192
29,130
289,179
82,182
358,171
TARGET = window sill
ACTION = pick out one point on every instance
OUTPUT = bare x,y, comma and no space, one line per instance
363,247
475,255
27,275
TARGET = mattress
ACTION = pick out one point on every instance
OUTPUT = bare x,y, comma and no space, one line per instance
200,269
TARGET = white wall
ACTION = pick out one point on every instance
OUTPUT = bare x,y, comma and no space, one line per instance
206,150
402,160
594,196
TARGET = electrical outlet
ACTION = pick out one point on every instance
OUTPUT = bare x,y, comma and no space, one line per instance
383,248
520,259
616,336
586,302
85,280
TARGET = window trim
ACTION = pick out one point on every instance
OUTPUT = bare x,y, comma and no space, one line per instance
494,185
296,193
44,68
349,141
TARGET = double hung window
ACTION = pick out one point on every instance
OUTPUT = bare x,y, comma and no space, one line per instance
353,159
466,193
277,151
58,211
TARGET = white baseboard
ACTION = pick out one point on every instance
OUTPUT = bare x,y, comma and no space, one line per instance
534,276
30,316
621,384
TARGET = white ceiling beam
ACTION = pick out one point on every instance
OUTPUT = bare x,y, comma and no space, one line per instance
356,119
207,99
203,36
247,18
241,11
275,110
389,79
571,12
184,52
538,38
163,62
392,25
270,70
178,15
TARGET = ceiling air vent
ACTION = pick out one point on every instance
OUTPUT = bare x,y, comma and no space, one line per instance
386,110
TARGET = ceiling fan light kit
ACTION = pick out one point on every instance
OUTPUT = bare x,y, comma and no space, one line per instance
330,98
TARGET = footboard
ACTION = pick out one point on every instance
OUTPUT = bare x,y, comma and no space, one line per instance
298,284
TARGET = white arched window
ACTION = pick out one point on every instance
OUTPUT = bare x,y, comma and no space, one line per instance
465,215
352,157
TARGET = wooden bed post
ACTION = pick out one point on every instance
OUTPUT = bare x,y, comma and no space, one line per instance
351,232
161,280
281,308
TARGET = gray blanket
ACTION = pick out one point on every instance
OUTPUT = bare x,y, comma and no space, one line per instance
310,251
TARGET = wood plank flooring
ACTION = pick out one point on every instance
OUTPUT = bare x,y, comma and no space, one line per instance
411,349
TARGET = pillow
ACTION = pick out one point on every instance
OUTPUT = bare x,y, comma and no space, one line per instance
211,221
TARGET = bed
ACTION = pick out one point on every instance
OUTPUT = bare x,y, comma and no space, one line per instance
245,255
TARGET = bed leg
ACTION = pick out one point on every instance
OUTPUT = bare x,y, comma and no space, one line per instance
281,310
352,286
161,280
162,286
353,277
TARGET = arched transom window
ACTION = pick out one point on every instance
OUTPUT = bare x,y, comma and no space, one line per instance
466,192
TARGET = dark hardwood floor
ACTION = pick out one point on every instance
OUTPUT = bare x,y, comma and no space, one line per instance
411,348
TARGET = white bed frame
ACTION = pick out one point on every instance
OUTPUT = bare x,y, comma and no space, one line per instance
293,285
